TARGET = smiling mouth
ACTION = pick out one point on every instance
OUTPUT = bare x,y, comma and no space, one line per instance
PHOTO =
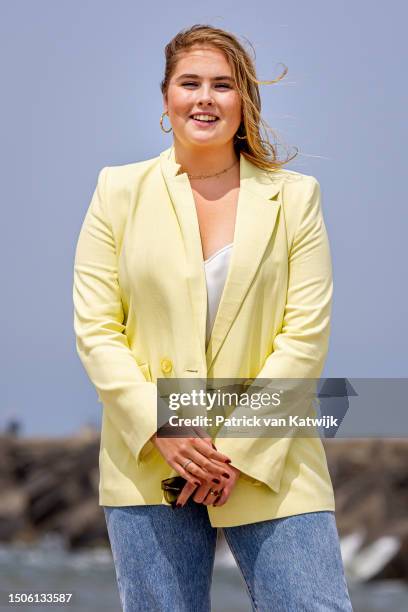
204,124
203,121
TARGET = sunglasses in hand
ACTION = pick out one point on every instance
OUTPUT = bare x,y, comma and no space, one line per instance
172,488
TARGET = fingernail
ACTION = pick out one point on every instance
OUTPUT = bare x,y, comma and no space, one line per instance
216,480
226,475
198,484
228,461
178,505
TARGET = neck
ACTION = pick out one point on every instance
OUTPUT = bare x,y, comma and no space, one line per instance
204,160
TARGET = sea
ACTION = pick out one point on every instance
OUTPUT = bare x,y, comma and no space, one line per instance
89,575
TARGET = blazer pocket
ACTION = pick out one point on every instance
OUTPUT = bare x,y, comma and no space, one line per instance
146,371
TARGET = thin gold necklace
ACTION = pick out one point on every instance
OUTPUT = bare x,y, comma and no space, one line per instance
204,176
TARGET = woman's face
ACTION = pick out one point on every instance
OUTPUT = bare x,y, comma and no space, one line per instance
202,92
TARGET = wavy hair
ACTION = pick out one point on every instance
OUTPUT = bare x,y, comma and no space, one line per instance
248,139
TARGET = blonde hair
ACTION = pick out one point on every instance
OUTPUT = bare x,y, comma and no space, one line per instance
247,140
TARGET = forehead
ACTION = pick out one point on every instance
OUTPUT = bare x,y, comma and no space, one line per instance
202,59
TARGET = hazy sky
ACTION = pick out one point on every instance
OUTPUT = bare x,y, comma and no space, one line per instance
80,90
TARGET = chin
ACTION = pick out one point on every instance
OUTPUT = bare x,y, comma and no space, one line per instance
203,142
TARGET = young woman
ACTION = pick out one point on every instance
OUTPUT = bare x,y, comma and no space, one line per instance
209,260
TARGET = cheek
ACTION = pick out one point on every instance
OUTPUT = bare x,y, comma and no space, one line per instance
180,104
233,108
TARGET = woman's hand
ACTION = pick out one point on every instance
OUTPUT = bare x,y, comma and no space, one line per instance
206,462
202,494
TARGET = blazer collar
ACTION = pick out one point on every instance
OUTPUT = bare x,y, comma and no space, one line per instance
259,202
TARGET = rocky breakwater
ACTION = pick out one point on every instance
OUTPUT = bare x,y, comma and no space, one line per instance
51,485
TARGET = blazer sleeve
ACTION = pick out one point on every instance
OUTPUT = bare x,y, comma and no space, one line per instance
300,348
129,400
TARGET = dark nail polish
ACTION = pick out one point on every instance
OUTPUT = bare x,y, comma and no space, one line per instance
216,480
228,461
198,484
226,475
178,505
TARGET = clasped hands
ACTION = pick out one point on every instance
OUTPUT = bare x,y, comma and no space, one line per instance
209,469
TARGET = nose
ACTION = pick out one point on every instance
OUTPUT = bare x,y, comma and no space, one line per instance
204,95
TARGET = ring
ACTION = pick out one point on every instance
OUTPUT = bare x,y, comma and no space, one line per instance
212,492
186,463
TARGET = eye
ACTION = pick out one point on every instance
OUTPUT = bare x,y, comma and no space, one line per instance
217,85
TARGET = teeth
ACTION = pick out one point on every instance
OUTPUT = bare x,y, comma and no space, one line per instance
205,117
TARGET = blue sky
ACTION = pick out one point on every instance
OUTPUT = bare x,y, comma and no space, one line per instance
81,91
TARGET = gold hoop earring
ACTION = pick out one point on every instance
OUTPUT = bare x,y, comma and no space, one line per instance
236,133
161,123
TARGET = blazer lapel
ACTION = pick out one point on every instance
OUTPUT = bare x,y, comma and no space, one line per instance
257,212
181,196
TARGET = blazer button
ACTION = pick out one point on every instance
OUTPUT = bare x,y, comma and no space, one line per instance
166,366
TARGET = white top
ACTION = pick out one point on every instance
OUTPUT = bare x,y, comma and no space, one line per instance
216,269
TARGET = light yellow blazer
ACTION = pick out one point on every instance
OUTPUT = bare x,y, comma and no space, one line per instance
140,304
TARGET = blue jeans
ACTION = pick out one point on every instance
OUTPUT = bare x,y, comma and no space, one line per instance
164,560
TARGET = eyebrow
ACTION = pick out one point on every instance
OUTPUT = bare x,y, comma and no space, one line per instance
196,76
